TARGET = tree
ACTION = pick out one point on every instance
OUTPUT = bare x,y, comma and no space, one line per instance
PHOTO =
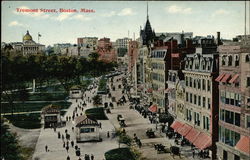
10,150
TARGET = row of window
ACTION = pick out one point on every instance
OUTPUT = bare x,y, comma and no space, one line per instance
204,65
172,77
228,137
158,66
230,98
196,120
200,84
198,100
158,54
227,60
158,77
230,117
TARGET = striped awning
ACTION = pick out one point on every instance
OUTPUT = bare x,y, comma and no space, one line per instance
218,79
192,135
203,141
176,124
233,80
225,78
244,144
183,130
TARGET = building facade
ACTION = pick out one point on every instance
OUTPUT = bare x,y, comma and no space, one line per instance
234,107
28,46
105,50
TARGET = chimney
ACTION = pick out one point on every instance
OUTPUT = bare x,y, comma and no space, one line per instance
218,39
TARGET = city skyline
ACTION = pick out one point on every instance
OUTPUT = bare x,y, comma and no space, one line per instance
115,19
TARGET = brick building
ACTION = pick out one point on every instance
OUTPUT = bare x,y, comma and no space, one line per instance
106,50
234,106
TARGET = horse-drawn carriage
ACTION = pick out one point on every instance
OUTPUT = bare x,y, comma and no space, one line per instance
150,133
121,120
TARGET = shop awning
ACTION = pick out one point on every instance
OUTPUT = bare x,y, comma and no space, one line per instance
176,124
244,144
203,141
183,130
153,108
192,135
233,80
225,78
218,79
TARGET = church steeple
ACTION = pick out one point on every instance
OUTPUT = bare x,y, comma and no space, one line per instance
147,10
147,33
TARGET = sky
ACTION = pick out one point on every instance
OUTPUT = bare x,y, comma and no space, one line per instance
115,19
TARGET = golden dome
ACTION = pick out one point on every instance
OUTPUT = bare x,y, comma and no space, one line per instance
27,37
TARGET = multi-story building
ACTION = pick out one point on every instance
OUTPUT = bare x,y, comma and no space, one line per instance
60,48
106,50
159,72
234,106
200,123
132,67
88,42
123,42
175,75
28,46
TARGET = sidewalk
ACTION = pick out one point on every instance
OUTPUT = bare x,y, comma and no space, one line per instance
57,152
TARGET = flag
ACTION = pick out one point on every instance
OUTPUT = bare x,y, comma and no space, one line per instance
39,35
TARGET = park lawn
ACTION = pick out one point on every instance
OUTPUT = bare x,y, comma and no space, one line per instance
97,113
26,121
48,96
29,107
119,154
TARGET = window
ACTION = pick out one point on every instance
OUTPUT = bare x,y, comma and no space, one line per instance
87,130
191,98
223,62
237,119
237,60
228,137
203,84
204,102
230,60
194,83
208,103
223,96
248,121
248,81
230,117
236,157
199,100
186,81
224,155
195,99
199,83
247,58
190,81
186,96
208,86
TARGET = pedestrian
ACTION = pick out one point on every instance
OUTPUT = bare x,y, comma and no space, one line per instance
100,124
72,128
193,153
54,128
67,143
67,118
108,134
76,147
139,143
67,148
66,131
72,143
59,135
68,158
79,158
92,157
46,148
63,144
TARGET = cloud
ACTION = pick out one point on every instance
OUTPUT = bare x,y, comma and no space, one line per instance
110,14
178,10
126,12
220,12
71,16
81,17
16,23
